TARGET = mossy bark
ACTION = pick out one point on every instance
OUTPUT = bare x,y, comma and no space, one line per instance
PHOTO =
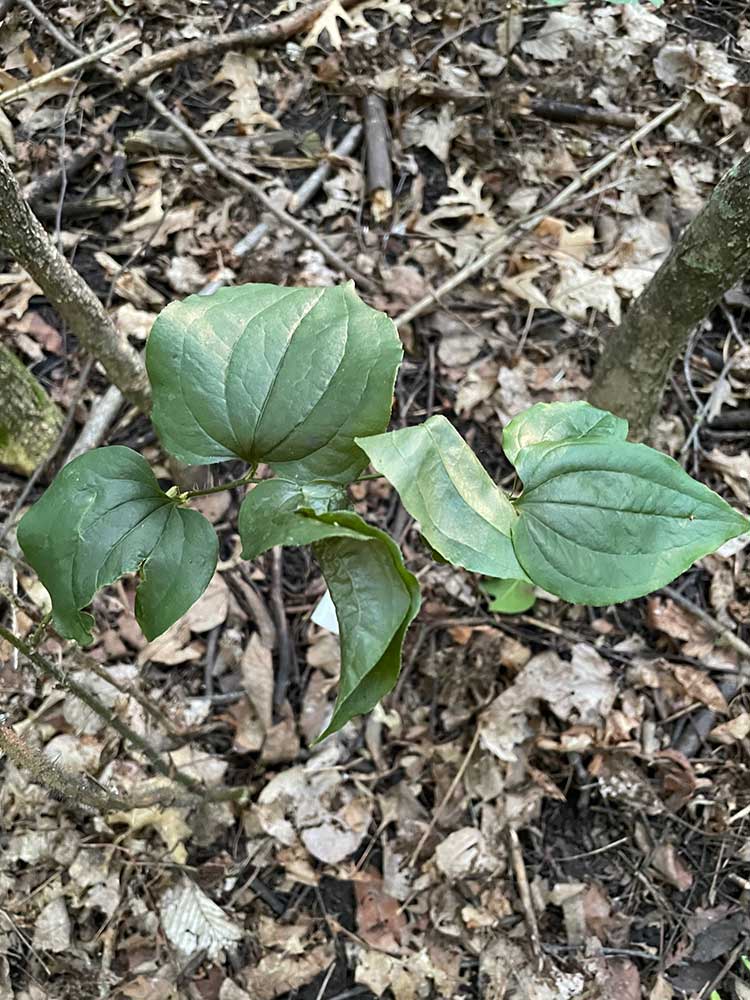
29,420
710,257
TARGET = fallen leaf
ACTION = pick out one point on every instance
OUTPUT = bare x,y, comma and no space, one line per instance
665,860
276,974
192,921
52,928
733,731
699,686
380,918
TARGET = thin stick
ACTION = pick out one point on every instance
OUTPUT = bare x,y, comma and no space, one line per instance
101,416
55,74
257,37
439,811
522,881
302,196
71,787
225,171
379,167
512,232
725,633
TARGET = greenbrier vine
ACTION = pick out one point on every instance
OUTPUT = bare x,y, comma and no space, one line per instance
300,380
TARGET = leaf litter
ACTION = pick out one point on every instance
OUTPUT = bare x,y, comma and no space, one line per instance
631,848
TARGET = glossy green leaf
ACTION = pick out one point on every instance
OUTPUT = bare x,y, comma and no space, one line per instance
103,516
461,512
552,422
605,521
281,512
509,597
287,376
376,598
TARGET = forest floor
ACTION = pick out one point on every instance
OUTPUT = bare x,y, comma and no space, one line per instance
550,805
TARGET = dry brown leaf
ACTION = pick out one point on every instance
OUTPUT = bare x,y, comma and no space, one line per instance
276,973
699,687
735,469
665,860
256,668
380,918
733,731
53,928
241,70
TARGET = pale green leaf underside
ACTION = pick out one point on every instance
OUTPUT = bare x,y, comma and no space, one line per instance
552,422
286,376
461,512
104,516
509,597
606,521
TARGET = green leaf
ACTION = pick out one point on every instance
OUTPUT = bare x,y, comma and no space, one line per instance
103,516
376,598
281,512
461,512
509,597
553,422
287,376
605,521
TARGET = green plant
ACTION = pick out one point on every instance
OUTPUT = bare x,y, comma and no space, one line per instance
301,380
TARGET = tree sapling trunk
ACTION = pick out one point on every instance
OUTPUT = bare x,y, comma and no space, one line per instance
710,257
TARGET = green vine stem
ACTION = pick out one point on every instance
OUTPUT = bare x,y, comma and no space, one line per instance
243,481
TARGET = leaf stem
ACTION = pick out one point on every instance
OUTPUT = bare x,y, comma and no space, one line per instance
247,478
370,475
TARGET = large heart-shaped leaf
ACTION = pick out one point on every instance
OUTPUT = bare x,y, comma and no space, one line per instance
552,422
603,521
462,513
103,516
287,376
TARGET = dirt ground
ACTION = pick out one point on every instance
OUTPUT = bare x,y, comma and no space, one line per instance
550,805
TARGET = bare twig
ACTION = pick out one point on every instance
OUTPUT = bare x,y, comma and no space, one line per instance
74,789
379,168
102,414
517,229
522,882
225,171
49,669
575,114
446,799
54,74
259,36
303,195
